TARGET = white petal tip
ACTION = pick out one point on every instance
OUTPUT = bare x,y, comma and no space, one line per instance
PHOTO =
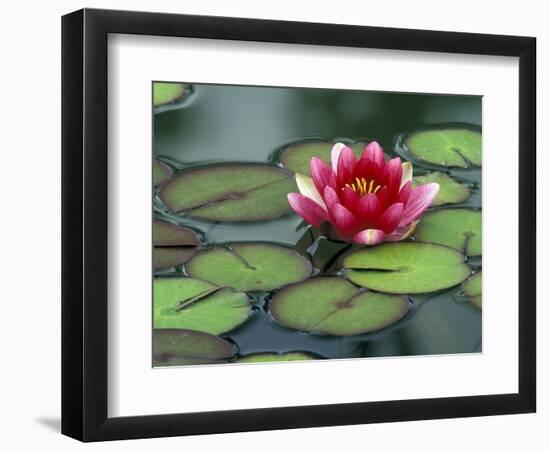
338,147
307,188
369,237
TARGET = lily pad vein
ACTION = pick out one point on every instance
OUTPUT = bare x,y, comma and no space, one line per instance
335,311
247,264
237,196
192,300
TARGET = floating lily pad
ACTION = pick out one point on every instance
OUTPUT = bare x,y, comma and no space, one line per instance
450,191
446,147
169,235
198,305
184,347
276,357
164,93
472,289
296,157
456,228
249,266
166,257
406,267
335,306
161,173
231,192
174,245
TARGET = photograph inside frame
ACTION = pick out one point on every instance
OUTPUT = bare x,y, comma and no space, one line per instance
294,224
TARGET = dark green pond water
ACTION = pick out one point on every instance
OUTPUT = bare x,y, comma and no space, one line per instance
233,123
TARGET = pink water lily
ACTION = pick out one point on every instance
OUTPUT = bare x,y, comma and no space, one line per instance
367,200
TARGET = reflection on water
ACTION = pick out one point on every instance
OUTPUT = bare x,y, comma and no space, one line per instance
234,123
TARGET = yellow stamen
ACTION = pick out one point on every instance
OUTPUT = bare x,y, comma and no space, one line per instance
359,187
371,186
362,186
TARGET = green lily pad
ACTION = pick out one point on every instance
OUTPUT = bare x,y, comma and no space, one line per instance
276,357
450,191
164,93
472,289
185,347
456,228
296,157
334,306
406,267
166,257
169,235
161,173
249,266
233,192
174,245
446,147
198,305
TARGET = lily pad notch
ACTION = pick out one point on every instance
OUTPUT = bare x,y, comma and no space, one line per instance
451,147
230,192
459,228
251,266
173,245
334,306
406,268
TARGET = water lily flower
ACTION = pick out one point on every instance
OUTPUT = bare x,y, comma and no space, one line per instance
367,200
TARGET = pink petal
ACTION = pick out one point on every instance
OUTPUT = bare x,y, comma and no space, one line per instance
362,168
350,198
421,198
343,220
401,233
404,193
310,211
321,174
331,197
335,155
374,152
368,208
306,186
346,165
393,173
383,196
369,237
365,168
391,217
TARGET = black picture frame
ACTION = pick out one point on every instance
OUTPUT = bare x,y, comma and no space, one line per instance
84,224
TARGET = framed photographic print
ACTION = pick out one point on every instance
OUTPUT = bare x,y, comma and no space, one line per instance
274,224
